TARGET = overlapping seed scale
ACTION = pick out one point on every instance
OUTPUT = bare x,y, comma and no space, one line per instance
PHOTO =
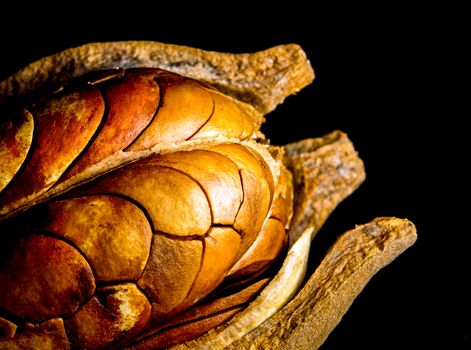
266,248
221,249
114,313
272,238
257,184
43,277
16,136
49,334
227,119
173,201
184,108
112,233
189,110
217,175
63,126
83,125
132,102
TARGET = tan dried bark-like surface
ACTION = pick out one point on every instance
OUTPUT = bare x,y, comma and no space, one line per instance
350,263
325,171
262,79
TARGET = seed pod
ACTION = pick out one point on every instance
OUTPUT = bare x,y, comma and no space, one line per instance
140,208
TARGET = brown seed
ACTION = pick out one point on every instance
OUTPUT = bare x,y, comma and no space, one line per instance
44,277
112,233
113,314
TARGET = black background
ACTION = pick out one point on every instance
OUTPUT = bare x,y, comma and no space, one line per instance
383,75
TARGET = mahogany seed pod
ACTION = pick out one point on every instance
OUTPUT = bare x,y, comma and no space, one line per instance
168,192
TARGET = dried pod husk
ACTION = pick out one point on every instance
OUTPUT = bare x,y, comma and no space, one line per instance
319,306
262,79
